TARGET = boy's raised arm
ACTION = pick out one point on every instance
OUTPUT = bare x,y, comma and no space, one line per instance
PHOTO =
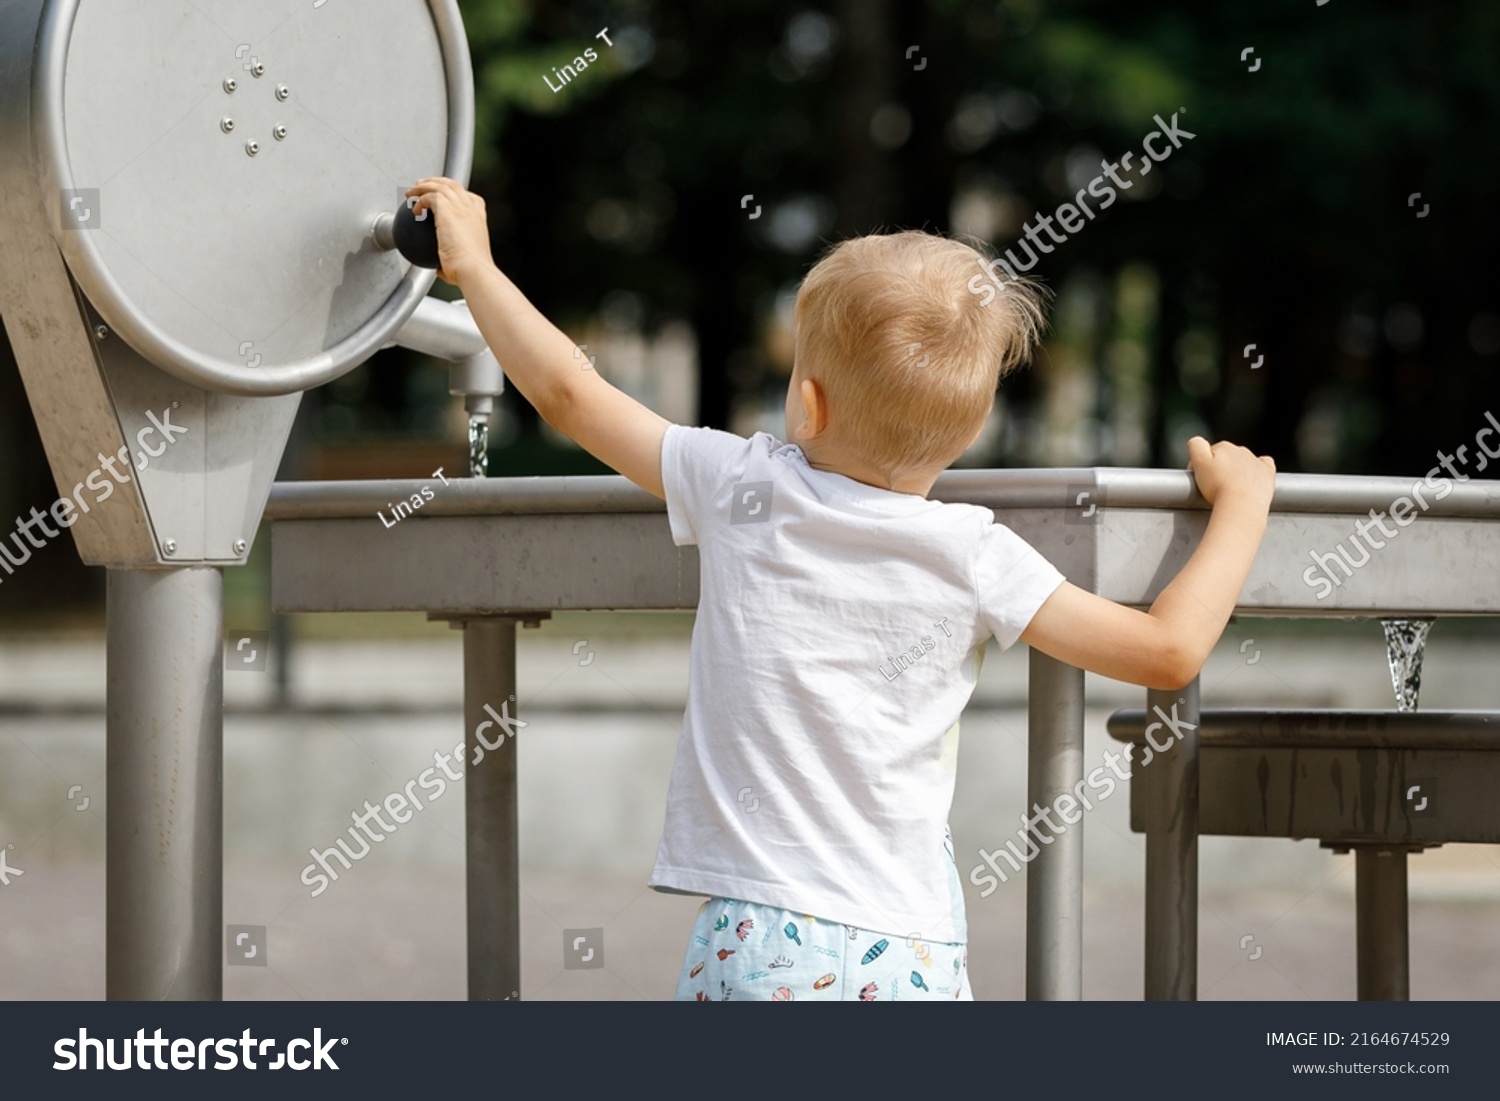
1167,646
539,360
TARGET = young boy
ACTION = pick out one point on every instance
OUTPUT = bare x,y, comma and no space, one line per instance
843,615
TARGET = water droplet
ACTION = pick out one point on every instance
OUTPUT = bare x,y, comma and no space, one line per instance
1405,643
479,447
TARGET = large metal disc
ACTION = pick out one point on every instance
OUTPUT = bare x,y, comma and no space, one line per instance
226,234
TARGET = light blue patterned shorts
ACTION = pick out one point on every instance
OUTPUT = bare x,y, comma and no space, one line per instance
746,951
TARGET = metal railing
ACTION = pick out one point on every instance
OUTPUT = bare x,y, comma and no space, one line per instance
493,553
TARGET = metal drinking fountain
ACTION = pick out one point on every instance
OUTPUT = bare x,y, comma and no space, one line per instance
191,235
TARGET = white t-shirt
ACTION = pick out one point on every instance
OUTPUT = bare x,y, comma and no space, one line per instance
838,638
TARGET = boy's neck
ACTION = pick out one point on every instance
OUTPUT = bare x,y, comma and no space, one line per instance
833,460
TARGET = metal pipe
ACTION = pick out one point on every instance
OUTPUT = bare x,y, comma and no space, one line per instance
164,746
1128,487
997,489
1384,961
1170,801
479,381
1054,881
444,330
490,820
447,330
593,493
281,658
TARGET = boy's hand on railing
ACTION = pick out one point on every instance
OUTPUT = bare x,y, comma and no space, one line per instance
1167,646
1228,469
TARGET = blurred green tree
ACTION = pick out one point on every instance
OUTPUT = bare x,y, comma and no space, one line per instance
1335,209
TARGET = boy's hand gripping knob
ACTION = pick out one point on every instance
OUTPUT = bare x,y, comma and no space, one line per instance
415,236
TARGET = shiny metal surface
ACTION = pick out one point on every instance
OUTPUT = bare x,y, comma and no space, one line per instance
164,895
258,276
491,853
1440,565
1054,880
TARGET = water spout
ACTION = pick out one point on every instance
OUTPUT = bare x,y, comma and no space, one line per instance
1405,642
479,447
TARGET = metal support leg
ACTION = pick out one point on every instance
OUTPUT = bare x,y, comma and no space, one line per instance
1380,922
494,890
1171,813
1054,881
164,763
281,658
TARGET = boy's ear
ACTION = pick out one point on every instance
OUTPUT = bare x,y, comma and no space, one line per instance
815,406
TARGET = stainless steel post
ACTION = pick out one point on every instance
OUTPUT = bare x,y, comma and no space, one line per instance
1054,881
490,831
164,753
1171,812
281,658
1380,924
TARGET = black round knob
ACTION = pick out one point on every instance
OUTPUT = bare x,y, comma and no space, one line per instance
416,236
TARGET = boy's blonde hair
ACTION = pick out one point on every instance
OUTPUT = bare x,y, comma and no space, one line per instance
909,354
